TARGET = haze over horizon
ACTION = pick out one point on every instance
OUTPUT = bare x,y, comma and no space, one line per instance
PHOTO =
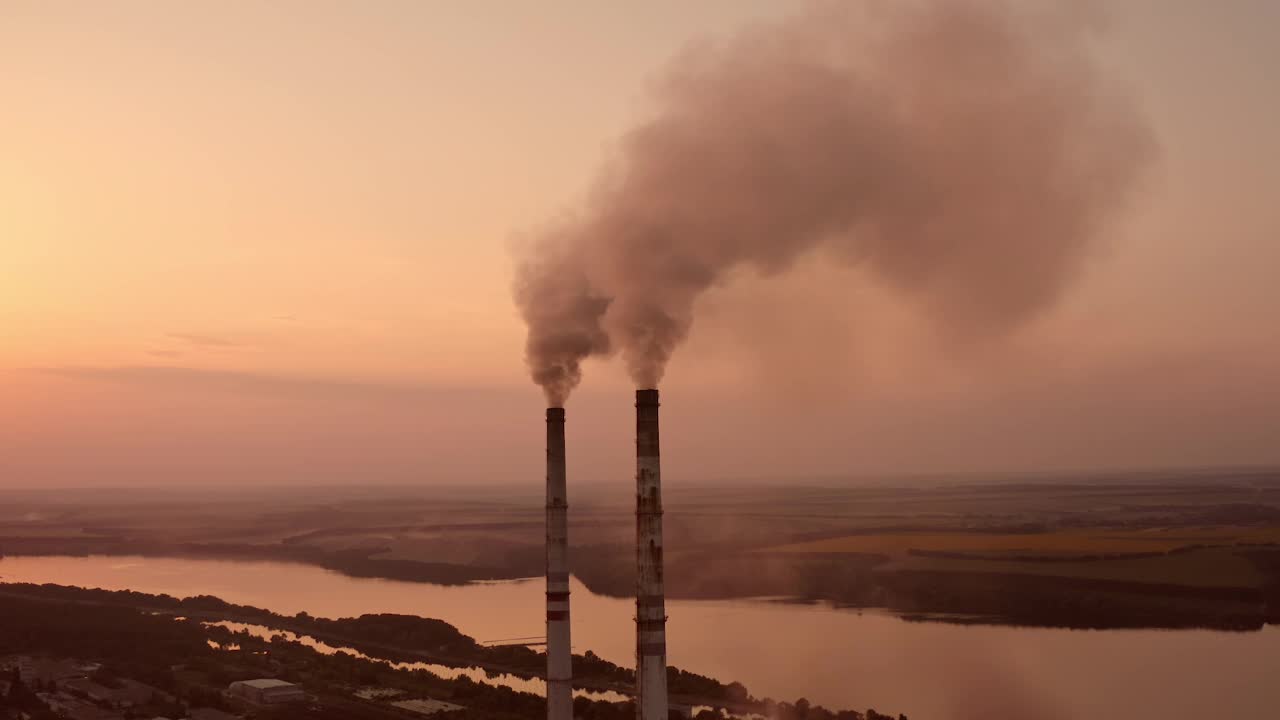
236,247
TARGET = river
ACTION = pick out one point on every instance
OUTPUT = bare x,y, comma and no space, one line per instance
834,657
536,686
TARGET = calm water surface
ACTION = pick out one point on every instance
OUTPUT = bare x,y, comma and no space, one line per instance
530,685
838,658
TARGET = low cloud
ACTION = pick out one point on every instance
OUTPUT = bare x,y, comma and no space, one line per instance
190,379
204,340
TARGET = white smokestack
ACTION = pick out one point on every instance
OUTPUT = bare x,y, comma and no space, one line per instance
651,614
559,655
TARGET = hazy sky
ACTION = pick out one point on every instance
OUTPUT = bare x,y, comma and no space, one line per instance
271,242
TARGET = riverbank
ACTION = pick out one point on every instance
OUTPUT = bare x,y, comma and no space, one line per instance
1171,589
408,639
831,656
1138,551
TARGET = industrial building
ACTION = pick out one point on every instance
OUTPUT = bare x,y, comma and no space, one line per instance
266,691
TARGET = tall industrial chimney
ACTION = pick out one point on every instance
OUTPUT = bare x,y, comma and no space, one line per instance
651,614
559,655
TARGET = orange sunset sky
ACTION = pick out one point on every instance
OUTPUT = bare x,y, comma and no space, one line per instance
273,243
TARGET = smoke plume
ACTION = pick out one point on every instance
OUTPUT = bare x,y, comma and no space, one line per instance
965,154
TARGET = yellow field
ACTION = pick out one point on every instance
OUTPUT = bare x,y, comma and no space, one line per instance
1081,542
1212,567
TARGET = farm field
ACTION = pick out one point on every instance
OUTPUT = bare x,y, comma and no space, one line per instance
1145,550
1210,567
1055,543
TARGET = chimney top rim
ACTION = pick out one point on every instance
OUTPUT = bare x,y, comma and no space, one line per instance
648,396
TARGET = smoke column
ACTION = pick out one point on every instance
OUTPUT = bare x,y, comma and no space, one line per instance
964,154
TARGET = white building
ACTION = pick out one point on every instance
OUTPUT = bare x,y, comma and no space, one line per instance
426,706
266,691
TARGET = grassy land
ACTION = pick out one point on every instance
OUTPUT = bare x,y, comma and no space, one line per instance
1185,556
1057,543
1210,567
1037,549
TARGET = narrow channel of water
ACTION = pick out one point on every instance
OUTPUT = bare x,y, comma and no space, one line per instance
833,657
480,675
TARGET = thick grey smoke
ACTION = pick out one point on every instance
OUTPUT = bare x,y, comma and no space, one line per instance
967,154
564,315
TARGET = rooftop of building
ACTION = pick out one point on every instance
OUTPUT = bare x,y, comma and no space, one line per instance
265,683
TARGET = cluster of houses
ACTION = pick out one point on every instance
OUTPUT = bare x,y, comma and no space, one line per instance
69,689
